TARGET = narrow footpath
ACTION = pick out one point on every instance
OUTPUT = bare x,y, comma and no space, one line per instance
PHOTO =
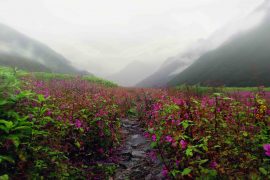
135,162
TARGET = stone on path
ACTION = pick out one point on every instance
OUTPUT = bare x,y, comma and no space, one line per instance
135,163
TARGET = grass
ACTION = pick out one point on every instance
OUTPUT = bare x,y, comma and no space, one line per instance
201,90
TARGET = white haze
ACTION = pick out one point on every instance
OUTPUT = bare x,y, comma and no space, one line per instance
104,36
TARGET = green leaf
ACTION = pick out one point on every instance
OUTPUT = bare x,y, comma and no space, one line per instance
217,94
153,144
245,133
15,139
8,124
41,98
4,177
151,130
175,172
263,171
186,171
6,158
213,173
200,162
77,144
4,128
186,123
3,102
189,152
26,129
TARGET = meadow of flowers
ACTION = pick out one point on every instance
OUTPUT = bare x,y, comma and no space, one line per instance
210,136
58,128
70,128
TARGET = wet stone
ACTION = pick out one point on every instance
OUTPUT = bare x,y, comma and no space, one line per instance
135,162
136,140
140,154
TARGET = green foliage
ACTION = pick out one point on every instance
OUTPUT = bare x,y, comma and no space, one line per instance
89,78
94,79
22,139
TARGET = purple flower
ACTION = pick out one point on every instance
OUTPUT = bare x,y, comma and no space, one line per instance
153,155
165,172
78,123
213,164
147,135
183,144
169,139
154,137
266,147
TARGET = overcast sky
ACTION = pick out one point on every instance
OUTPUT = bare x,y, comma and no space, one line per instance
105,35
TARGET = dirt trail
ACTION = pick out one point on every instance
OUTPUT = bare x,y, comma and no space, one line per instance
135,162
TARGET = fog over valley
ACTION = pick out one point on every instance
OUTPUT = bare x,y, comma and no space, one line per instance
129,42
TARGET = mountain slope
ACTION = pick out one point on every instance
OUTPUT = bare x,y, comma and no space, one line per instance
22,63
244,60
19,45
162,75
174,66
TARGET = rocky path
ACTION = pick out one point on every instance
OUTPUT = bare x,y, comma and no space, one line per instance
135,162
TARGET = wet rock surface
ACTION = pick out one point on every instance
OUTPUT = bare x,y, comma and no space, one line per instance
135,162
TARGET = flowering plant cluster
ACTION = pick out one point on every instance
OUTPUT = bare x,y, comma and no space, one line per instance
210,135
58,128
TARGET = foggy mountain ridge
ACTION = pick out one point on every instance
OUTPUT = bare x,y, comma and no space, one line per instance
243,60
15,44
22,63
171,67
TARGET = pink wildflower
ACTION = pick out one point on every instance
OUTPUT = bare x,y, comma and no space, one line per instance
154,137
183,144
169,139
147,135
78,123
165,172
213,164
266,147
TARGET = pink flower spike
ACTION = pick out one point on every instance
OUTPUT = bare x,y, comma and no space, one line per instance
169,139
78,123
213,164
154,137
266,147
147,135
165,172
183,144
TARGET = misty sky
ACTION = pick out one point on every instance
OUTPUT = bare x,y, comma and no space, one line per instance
103,36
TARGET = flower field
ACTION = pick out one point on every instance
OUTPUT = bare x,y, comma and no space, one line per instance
213,136
70,128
